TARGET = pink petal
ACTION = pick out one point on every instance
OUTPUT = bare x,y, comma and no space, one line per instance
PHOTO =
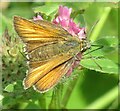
37,18
82,33
56,21
69,72
64,12
64,23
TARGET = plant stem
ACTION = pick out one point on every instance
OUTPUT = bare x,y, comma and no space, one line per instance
115,104
100,24
105,100
43,101
68,92
56,97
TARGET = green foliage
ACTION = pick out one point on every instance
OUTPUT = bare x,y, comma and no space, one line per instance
47,14
101,62
94,86
102,65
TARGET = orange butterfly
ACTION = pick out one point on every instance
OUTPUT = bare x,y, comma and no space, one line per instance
51,51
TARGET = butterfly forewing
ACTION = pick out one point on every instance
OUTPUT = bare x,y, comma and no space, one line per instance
38,31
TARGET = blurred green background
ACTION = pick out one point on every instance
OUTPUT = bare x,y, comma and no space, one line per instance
92,90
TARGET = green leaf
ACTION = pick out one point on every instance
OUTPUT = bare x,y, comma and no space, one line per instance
6,23
46,9
32,105
9,88
101,65
78,5
114,4
109,50
79,19
105,100
8,101
110,46
107,41
77,12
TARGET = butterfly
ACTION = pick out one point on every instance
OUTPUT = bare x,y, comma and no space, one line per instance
51,50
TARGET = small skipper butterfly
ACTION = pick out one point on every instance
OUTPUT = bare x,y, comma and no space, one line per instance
51,51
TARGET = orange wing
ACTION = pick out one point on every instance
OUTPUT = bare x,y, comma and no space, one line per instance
35,74
38,31
53,77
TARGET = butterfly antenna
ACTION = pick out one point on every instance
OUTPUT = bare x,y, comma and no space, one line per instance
98,57
93,26
89,52
100,47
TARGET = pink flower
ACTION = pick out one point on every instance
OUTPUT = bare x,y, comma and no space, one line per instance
64,16
37,18
67,23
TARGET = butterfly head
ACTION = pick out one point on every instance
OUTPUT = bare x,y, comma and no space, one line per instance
85,45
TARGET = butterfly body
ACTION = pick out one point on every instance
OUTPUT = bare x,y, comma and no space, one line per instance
51,51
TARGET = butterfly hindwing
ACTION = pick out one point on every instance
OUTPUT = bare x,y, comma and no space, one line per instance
35,74
53,77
